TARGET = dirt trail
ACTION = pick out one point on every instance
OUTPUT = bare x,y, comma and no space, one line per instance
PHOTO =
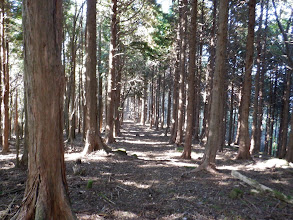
146,183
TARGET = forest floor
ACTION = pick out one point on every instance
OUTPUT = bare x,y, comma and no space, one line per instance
144,182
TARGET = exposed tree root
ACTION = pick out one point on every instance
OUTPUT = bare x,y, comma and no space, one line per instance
210,168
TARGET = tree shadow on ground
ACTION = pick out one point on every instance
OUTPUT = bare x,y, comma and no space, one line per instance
146,183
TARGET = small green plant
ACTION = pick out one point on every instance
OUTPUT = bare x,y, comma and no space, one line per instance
179,149
89,184
236,193
279,195
135,156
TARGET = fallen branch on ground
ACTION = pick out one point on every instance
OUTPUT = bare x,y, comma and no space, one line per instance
262,188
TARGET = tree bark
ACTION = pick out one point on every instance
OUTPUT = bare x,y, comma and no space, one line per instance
253,148
100,80
111,76
191,92
244,141
283,131
6,98
217,105
289,155
93,139
46,194
183,35
209,75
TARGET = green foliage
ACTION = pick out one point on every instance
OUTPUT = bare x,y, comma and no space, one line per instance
236,193
89,184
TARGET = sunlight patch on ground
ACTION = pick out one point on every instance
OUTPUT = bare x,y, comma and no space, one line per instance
89,217
143,142
138,185
125,215
259,165
10,156
72,156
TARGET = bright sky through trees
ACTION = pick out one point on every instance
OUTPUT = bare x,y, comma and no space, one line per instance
165,4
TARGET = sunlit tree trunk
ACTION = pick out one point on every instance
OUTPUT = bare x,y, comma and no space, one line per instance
217,104
100,81
283,130
191,76
46,194
209,74
111,76
93,139
253,148
289,155
6,97
163,100
244,141
183,36
144,101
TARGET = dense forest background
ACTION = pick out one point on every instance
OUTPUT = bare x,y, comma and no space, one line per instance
207,72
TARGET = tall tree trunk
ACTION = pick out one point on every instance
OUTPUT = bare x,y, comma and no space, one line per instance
151,113
100,80
168,111
144,101
253,148
244,141
261,85
283,131
289,155
217,105
111,76
191,92
158,92
46,194
2,26
163,101
6,98
209,74
231,112
183,35
93,139
175,101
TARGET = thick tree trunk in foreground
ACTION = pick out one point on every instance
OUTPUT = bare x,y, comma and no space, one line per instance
217,105
190,104
244,141
93,139
46,188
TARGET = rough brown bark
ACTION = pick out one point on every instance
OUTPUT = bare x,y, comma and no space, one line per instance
183,36
244,141
175,101
217,105
209,74
289,155
163,101
1,65
93,139
191,92
100,82
6,98
144,102
253,148
111,76
46,188
283,131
